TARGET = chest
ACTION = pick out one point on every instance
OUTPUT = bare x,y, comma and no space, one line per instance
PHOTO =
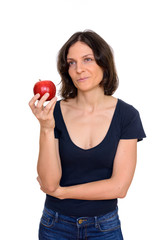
88,130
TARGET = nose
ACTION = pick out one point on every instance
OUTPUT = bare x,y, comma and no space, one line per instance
79,67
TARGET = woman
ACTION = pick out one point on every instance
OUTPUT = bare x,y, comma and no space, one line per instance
87,154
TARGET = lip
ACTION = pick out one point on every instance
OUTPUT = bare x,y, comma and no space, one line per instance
82,79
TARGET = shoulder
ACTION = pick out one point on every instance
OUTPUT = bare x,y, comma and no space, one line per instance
67,103
130,122
127,113
63,107
127,109
69,107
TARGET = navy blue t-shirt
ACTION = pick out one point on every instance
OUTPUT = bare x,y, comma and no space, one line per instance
86,165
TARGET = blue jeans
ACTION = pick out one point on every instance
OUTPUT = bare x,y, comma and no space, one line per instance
55,226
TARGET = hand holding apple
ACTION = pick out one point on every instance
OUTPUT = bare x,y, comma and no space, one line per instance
44,114
45,86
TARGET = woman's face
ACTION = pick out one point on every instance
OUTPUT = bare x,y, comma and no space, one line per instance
85,73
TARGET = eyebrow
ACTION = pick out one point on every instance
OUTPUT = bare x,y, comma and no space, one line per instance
82,56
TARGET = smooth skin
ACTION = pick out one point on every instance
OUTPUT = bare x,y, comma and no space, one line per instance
88,115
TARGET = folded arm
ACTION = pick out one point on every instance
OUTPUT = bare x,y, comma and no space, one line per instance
115,187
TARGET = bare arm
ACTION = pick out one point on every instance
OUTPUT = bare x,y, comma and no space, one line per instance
115,187
48,166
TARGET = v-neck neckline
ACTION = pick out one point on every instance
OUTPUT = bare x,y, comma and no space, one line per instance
106,135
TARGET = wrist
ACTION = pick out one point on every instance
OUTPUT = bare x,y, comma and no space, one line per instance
46,129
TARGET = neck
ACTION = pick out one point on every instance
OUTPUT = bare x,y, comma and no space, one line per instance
90,100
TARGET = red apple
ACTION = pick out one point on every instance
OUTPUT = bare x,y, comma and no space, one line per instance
45,86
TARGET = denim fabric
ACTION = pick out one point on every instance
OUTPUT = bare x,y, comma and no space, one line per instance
55,226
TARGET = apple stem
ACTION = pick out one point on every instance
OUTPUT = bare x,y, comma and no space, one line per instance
40,80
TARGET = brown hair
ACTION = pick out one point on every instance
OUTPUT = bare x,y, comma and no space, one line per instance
103,56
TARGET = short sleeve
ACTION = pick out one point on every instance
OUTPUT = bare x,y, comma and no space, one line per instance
132,127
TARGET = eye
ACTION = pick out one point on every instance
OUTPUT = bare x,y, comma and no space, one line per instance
88,59
71,63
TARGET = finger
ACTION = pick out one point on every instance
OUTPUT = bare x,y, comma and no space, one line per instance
38,179
40,182
52,107
42,100
51,104
33,100
42,189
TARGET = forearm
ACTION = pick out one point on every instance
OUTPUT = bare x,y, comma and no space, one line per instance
48,166
115,187
99,190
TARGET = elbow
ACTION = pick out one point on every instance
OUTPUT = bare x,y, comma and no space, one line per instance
51,188
50,185
119,188
122,192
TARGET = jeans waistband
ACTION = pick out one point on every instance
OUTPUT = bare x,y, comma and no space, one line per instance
80,221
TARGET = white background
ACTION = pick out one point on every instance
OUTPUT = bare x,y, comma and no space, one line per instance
32,32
